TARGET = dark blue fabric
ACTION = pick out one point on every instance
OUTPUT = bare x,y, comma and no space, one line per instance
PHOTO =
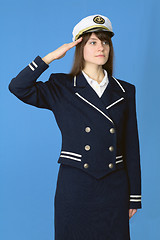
91,202
89,208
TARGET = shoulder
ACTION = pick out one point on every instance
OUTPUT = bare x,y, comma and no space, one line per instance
62,78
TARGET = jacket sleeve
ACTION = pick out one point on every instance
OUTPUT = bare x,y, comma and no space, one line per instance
132,153
25,87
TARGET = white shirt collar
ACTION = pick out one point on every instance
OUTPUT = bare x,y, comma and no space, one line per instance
92,81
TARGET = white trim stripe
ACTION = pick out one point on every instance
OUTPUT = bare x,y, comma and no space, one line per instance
77,159
119,84
95,107
135,195
135,200
115,102
34,64
32,68
118,157
74,81
71,153
119,161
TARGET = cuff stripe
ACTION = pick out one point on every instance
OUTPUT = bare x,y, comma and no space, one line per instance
34,64
32,68
135,196
135,200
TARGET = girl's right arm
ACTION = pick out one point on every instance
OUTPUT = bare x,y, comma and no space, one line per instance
25,87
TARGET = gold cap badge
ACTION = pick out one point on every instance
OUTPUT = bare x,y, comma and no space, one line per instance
98,19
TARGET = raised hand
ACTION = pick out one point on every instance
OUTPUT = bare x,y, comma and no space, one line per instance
60,52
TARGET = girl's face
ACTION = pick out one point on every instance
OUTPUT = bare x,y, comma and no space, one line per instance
96,51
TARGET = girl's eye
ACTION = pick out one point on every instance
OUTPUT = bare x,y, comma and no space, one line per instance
106,42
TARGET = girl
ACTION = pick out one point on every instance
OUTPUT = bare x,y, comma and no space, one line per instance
99,180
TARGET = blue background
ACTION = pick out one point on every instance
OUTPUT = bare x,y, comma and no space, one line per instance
30,138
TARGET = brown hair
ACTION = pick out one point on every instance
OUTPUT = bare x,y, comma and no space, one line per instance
78,63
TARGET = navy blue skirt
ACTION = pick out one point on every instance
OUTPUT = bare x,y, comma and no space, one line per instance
86,208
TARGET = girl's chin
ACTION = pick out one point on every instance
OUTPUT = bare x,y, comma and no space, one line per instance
100,61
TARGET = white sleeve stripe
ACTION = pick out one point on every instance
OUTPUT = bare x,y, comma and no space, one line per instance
31,67
135,200
34,64
135,195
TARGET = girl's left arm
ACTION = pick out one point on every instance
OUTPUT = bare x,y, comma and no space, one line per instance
132,152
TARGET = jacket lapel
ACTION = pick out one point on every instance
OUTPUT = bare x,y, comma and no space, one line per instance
113,94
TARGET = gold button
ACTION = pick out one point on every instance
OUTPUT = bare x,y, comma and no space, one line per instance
87,147
86,165
112,130
111,148
111,165
87,129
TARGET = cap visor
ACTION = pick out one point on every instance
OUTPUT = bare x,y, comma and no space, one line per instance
98,30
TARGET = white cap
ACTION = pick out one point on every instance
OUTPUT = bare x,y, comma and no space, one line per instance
91,24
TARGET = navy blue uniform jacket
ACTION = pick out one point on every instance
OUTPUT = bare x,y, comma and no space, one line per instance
99,135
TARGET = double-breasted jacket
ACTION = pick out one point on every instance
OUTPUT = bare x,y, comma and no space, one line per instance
99,135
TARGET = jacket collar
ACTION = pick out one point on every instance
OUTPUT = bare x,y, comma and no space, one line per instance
80,81
112,95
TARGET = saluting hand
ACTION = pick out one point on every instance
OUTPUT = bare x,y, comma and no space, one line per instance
60,52
132,212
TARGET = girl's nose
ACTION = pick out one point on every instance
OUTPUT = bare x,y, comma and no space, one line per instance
100,46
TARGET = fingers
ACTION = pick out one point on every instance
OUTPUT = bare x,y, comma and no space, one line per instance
132,212
61,51
72,44
78,40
